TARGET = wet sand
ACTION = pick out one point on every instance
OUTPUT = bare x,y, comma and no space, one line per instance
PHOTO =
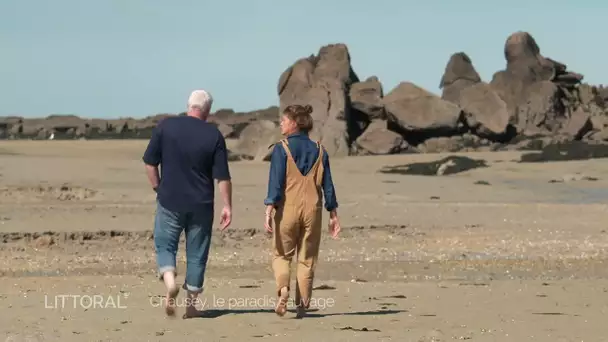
503,253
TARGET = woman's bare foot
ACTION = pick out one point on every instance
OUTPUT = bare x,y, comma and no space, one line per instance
281,307
171,295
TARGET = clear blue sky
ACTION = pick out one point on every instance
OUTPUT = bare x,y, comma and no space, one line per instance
111,58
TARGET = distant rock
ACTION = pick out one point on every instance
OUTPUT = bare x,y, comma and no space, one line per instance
324,82
366,97
458,75
255,139
458,143
419,114
485,112
573,150
377,139
534,87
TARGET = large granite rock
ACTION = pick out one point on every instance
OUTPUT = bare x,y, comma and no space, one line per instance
459,74
416,112
324,82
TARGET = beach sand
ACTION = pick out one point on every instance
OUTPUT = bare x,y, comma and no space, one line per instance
509,252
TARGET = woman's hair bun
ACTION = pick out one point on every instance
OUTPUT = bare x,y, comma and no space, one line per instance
308,109
298,110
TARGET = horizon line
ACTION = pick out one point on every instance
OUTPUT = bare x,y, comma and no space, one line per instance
214,113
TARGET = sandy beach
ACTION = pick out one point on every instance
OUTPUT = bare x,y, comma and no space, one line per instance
508,252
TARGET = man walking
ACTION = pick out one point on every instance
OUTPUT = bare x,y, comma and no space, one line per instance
191,153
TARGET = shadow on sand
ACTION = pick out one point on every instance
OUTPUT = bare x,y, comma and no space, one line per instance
215,313
355,313
446,166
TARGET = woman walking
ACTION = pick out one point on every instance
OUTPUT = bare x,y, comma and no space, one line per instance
299,177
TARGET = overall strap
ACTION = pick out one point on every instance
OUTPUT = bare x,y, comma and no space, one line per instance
315,166
286,148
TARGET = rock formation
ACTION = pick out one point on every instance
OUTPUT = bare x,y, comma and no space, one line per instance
533,103
459,73
324,82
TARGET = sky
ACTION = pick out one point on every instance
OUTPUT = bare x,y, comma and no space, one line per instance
134,58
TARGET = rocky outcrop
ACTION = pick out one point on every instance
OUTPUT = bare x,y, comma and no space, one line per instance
74,127
534,102
255,139
485,112
366,105
324,82
459,74
418,113
366,97
535,88
377,139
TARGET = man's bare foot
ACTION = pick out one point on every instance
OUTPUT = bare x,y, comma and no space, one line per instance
281,307
171,295
192,312
300,312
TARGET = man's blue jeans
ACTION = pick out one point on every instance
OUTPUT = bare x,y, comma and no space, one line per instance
168,226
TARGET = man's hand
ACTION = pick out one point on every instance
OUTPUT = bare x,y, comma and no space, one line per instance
334,224
268,220
225,218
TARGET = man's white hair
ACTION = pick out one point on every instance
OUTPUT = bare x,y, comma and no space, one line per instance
200,99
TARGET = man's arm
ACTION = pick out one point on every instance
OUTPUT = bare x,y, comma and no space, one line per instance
153,176
225,186
152,158
276,176
221,171
329,192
